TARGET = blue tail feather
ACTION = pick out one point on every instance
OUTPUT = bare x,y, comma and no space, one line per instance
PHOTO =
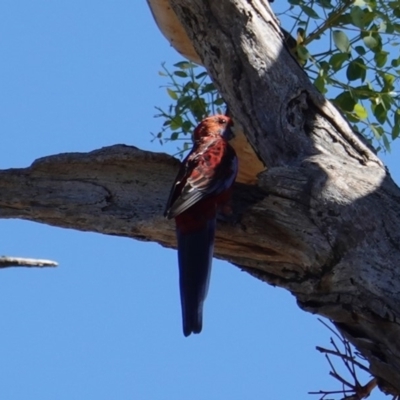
195,252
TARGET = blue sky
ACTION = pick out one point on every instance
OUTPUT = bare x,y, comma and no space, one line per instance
105,324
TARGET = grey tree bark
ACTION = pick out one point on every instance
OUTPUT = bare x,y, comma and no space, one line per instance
321,221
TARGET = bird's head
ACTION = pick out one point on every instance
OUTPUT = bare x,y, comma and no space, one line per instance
216,125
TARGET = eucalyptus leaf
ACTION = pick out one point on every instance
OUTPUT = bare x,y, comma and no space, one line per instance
341,41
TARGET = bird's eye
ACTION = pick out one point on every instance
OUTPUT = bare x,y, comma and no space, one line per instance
222,121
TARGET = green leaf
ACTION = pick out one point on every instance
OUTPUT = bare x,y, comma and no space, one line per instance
368,17
187,126
172,94
320,84
395,131
345,101
185,65
343,19
364,92
359,3
201,75
176,123
395,62
341,41
356,70
302,52
325,3
199,108
324,66
360,50
310,12
357,17
379,112
396,12
183,101
337,60
377,130
174,136
396,118
208,87
389,27
370,42
371,3
381,58
360,111
387,101
386,143
396,27
181,74
389,80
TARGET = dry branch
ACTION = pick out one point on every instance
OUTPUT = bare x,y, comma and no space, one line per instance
7,262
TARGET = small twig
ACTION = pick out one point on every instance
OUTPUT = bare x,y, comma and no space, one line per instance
331,392
335,375
7,262
351,390
352,360
351,367
330,328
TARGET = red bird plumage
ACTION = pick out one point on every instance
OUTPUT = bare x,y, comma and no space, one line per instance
203,183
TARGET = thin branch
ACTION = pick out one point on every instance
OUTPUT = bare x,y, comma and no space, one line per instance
328,23
7,262
344,356
352,387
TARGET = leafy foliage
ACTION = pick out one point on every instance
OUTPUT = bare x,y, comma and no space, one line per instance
358,69
194,97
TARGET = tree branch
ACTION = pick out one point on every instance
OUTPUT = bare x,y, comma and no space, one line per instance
121,190
6,262
334,183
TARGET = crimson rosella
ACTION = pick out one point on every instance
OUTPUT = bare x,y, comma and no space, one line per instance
203,183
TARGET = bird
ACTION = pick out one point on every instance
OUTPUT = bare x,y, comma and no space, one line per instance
203,185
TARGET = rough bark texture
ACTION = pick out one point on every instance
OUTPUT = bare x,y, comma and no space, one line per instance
322,221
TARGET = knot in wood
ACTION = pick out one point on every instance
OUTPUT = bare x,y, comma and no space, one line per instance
295,114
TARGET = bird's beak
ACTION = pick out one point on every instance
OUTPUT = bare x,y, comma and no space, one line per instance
228,132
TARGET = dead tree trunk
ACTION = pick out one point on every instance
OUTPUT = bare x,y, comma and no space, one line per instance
322,221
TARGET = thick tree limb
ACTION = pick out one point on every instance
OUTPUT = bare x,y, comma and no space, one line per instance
121,190
331,179
115,190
